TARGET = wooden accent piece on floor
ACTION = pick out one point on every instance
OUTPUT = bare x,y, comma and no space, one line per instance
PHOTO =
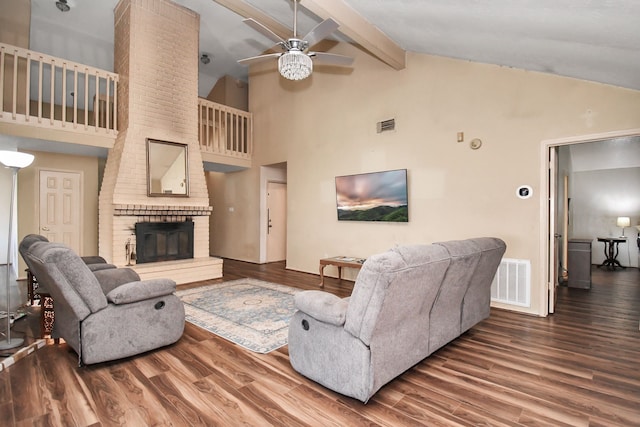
339,261
47,314
577,367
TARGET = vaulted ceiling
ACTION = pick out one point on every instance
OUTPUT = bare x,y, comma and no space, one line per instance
593,40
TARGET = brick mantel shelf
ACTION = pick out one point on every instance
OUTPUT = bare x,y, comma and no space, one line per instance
161,210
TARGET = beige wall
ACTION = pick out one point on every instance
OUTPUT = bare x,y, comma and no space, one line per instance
15,22
231,92
15,25
235,221
326,126
28,196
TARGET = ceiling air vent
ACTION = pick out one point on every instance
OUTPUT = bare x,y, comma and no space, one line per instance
386,125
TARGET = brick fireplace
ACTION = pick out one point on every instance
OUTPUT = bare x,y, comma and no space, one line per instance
156,56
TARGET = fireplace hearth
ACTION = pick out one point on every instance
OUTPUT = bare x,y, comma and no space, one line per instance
163,241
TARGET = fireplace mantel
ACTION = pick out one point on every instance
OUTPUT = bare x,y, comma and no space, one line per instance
161,210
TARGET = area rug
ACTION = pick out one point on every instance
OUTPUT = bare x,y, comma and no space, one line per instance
249,312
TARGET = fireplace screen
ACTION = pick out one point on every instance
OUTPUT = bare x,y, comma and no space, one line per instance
164,241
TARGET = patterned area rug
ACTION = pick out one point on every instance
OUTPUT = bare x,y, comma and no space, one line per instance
248,312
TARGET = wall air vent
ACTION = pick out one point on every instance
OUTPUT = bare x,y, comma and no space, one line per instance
512,282
386,125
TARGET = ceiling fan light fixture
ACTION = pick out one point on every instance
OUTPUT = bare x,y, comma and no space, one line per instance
295,65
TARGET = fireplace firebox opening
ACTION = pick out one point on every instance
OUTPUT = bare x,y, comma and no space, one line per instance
163,241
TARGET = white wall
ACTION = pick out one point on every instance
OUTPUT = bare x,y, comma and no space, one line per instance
597,199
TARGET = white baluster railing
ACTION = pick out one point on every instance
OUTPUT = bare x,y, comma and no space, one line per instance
48,92
45,91
224,130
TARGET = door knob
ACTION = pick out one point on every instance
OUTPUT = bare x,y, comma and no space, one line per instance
45,228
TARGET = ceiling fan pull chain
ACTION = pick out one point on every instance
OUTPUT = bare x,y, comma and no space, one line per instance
295,19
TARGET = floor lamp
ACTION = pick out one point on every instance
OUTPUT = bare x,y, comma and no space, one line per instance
15,161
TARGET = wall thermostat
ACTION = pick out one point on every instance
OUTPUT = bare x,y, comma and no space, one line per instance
475,144
524,191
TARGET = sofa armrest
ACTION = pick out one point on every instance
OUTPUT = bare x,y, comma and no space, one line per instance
93,259
322,306
141,290
100,267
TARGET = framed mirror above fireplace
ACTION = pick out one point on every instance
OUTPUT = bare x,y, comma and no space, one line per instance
167,171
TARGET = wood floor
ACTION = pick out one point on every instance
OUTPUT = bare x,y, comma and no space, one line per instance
578,367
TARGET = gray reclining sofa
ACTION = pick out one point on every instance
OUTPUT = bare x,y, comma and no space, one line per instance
406,303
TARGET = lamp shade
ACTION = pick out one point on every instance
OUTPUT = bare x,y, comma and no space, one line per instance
295,65
15,159
623,221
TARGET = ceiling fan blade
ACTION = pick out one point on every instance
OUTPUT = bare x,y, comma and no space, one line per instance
321,31
259,58
331,59
263,30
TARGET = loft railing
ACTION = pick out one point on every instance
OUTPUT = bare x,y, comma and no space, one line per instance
224,130
48,92
45,91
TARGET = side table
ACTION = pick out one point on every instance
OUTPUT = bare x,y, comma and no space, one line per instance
611,251
339,261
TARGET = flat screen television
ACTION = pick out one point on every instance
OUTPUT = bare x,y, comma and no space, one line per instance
376,196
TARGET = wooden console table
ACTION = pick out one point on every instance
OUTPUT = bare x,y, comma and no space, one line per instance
339,261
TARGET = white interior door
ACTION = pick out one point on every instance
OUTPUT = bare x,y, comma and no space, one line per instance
61,207
276,221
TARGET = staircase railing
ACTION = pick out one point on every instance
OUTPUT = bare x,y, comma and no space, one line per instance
42,90
224,130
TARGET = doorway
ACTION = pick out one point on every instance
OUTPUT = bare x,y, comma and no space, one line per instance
555,217
273,178
60,207
276,221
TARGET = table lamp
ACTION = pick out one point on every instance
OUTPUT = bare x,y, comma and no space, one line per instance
15,161
623,221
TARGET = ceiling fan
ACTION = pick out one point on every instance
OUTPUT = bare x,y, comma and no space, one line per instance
295,62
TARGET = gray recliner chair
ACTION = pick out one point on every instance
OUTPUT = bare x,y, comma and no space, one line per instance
108,275
94,262
97,314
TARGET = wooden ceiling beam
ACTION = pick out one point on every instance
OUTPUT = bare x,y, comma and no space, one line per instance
248,11
354,26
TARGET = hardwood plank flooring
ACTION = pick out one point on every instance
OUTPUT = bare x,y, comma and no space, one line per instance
578,367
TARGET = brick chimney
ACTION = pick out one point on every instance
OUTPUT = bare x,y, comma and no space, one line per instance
156,56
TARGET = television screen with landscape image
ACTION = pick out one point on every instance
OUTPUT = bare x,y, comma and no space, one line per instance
376,196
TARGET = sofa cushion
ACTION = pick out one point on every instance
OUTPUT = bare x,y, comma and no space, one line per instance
111,278
446,313
412,268
74,272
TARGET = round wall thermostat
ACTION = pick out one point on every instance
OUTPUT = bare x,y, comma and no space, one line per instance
524,191
475,144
